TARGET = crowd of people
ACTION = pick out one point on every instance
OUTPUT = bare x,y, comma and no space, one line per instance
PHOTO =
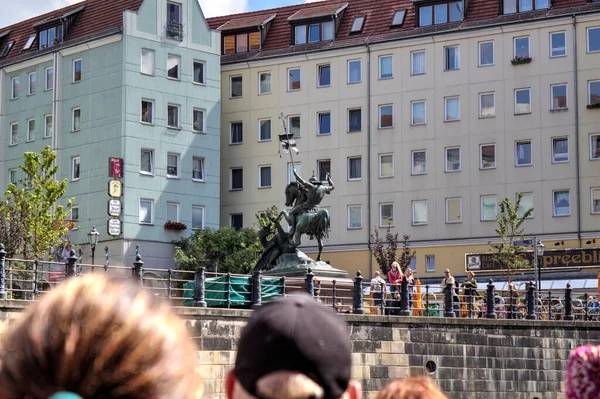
99,338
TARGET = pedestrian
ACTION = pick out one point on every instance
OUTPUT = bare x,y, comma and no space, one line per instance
395,279
378,290
408,275
317,289
411,388
582,379
293,347
99,338
469,294
514,301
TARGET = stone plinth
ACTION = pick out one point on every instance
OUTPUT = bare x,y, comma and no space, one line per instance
297,264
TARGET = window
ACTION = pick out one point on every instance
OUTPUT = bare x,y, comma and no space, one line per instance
521,46
147,116
560,149
236,133
76,119
386,116
559,97
172,165
452,105
487,105
562,203
324,76
417,62
489,205
354,168
30,129
264,129
31,83
522,101
197,217
264,176
526,204
235,85
386,67
237,179
264,83
172,212
14,133
354,71
75,168
453,210
29,42
523,153
413,264
595,201
419,213
77,70
354,216
236,221
198,122
419,162
453,159
486,53
386,215
398,18
324,123
12,176
147,162
300,34
50,37
200,72
354,120
14,92
594,146
147,66
198,169
314,32
417,113
593,40
487,156
49,78
513,6
323,168
386,165
47,126
229,44
558,44
594,93
452,58
173,66
74,213
294,82
430,263
357,24
240,43
441,13
173,116
294,125
6,49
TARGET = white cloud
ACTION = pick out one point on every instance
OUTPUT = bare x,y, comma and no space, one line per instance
213,8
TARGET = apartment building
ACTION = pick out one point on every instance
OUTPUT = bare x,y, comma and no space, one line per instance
426,114
136,82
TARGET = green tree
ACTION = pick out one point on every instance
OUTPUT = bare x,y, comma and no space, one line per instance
229,250
510,221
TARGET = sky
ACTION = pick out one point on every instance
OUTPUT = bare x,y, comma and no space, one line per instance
18,10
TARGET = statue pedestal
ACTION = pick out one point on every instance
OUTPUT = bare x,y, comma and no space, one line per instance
297,264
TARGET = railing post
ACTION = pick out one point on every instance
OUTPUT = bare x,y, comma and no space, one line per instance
490,308
404,305
228,290
137,269
357,307
71,265
383,295
169,274
531,301
427,313
2,272
511,314
568,303
309,284
470,304
107,262
35,290
256,288
199,288
334,294
587,310
449,301
549,305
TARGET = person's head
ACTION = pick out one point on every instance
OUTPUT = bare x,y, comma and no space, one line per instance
96,337
471,275
293,348
512,287
395,266
583,368
376,274
408,271
447,272
411,388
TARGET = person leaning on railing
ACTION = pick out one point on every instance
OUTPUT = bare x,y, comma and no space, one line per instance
378,290
395,281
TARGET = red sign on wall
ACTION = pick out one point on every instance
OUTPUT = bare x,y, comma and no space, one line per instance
115,167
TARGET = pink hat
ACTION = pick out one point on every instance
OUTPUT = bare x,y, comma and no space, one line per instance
583,373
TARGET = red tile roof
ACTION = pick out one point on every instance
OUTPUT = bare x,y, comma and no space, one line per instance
316,12
379,14
96,18
246,22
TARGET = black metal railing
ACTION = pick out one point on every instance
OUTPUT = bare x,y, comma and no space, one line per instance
174,30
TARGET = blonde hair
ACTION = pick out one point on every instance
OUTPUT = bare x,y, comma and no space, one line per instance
99,338
412,388
396,264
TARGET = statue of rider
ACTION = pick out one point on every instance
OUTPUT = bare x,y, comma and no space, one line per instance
316,193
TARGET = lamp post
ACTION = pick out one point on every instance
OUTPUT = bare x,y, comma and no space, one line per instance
93,240
537,253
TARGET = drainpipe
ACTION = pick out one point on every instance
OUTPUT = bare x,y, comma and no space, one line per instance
55,81
577,157
369,159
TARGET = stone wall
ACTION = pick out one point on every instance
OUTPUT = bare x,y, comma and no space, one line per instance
483,359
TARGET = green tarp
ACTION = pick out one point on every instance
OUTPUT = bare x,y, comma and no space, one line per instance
240,291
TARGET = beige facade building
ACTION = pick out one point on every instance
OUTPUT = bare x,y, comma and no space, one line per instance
425,125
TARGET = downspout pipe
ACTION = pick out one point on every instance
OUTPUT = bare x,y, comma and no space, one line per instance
369,159
577,150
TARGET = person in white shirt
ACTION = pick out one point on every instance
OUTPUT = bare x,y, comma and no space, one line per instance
378,290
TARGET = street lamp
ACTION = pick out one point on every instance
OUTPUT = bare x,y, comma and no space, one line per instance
539,252
93,239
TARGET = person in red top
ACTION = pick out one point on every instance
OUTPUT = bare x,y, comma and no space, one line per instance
395,279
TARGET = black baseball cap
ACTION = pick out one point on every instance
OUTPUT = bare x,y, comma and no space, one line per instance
298,334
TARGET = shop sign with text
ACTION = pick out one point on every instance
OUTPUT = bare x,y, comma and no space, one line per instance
552,259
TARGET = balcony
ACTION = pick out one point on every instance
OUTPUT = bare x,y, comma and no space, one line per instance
174,30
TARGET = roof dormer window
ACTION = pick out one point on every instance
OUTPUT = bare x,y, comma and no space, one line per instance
50,37
316,24
241,43
515,6
357,24
6,49
313,33
245,34
398,18
53,30
441,13
29,42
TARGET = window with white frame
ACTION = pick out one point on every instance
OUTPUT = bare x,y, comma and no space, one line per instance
452,159
559,96
316,32
197,217
235,86
418,113
419,212
74,213
560,149
48,125
77,70
386,67
29,42
172,165
49,78
453,210
294,125
593,40
264,176
199,121
199,72
236,179
354,71
452,58
430,263
173,116
354,168
236,221
354,120
452,106
595,200
14,88
525,205
324,75
147,62
31,129
386,215
31,83
146,112
146,213
76,119
264,130
14,133
417,62
489,207
236,133
558,44
594,147
264,83
386,165
514,6
419,162
198,169
323,169
487,105
523,153
354,216
561,202
172,212
12,176
294,79
147,161
486,53
522,101
521,47
386,116
487,156
75,168
594,93
173,62
357,24
324,123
